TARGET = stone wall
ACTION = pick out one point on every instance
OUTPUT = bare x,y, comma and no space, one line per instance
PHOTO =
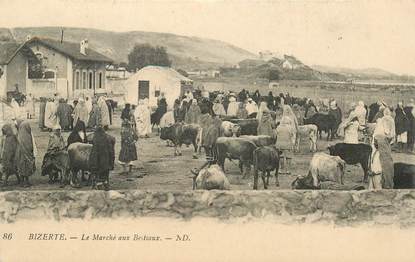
333,207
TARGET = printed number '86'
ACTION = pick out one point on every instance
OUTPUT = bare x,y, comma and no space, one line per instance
7,236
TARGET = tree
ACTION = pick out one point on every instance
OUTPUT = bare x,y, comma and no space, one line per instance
144,54
273,74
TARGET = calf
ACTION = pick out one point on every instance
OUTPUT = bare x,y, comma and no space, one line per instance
353,154
323,167
235,148
324,122
57,167
247,126
79,159
209,178
229,129
266,159
404,176
179,134
307,132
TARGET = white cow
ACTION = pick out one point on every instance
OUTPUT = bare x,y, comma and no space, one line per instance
324,167
307,132
209,178
229,129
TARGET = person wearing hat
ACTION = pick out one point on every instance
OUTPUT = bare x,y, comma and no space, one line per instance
232,107
56,144
251,108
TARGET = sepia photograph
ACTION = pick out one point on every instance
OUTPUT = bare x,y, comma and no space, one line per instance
284,127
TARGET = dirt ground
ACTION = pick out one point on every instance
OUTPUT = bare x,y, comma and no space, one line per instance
158,168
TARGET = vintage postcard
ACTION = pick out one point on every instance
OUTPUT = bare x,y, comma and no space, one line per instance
207,130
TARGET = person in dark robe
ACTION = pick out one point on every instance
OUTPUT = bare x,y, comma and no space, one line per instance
242,95
110,109
42,107
64,114
271,101
256,97
25,153
401,126
101,159
9,145
411,127
72,107
125,114
78,134
128,152
336,112
160,110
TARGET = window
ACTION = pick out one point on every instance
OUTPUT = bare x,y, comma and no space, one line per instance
77,79
90,80
83,80
100,80
94,80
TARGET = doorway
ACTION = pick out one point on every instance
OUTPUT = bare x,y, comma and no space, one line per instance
143,89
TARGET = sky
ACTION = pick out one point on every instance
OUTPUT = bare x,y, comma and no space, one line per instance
343,33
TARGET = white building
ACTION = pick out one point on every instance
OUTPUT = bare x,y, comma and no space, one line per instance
151,81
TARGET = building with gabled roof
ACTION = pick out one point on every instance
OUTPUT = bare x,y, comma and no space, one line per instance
77,69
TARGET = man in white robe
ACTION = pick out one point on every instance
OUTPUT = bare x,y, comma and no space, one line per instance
142,115
50,114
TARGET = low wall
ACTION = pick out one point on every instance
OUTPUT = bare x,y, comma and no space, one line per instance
334,207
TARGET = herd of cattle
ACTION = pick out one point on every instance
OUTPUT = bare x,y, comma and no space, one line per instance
238,140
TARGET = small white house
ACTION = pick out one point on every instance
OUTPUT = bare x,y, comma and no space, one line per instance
151,81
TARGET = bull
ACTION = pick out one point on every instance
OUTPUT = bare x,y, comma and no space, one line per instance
247,126
209,178
353,154
266,159
324,122
404,176
235,148
179,134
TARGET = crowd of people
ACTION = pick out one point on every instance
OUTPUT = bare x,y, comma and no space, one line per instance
277,116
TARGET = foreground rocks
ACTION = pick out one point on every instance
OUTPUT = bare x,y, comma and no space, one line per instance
385,207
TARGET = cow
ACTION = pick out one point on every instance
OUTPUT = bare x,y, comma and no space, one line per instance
209,178
229,129
57,167
307,132
79,159
261,140
404,176
353,154
323,167
324,122
235,148
179,134
247,126
266,159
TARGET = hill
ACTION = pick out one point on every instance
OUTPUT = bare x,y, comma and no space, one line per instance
186,52
364,74
287,67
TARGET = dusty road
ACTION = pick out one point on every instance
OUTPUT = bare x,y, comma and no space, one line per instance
161,170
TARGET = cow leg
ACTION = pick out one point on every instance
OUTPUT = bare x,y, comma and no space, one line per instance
241,168
365,172
179,150
6,178
255,179
277,182
265,180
